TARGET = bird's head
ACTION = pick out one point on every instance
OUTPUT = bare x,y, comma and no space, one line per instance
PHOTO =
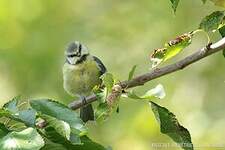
75,52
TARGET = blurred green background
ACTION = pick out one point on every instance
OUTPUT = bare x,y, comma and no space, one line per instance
33,36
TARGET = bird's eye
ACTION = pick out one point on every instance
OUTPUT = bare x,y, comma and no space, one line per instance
79,48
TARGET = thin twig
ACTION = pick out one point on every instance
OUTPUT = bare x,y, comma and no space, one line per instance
158,72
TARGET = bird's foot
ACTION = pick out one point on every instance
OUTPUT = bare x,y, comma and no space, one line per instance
84,100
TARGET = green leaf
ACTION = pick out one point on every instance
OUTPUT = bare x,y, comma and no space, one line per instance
176,45
174,4
108,81
157,57
12,105
212,21
8,114
11,111
49,145
55,136
131,73
171,49
100,94
60,126
59,131
28,117
102,112
219,2
88,144
157,92
3,130
25,116
61,112
170,126
5,113
28,139
222,32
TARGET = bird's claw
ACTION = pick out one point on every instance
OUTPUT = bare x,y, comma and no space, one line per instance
84,100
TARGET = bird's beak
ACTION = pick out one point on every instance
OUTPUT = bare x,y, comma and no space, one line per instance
72,60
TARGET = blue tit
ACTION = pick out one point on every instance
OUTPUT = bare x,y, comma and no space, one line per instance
81,73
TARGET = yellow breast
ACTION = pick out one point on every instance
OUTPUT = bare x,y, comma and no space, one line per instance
80,79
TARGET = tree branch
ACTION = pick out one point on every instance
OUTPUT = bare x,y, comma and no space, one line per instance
158,72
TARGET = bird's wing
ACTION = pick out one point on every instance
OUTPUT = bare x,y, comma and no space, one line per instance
101,66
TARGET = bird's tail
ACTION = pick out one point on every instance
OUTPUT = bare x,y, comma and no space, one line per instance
87,113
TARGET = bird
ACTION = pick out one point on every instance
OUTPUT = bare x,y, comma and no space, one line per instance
81,73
